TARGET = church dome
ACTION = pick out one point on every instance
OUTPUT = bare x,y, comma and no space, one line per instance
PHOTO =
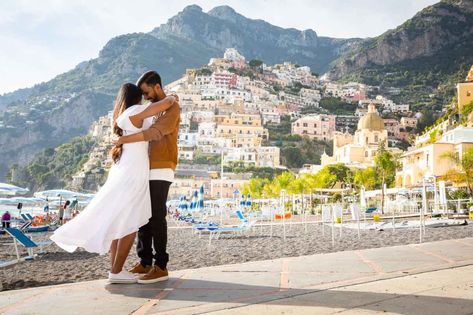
371,120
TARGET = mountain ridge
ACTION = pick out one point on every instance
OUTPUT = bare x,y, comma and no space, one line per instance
187,40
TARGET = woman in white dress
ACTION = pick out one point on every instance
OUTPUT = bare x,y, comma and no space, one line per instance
67,215
122,205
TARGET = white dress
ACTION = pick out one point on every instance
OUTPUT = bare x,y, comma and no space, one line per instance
121,206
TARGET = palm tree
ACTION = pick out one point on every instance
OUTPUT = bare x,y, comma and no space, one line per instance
465,166
386,165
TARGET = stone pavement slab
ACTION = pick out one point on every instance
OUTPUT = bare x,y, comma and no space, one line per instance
429,278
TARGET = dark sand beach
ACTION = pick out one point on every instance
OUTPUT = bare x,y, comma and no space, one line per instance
188,250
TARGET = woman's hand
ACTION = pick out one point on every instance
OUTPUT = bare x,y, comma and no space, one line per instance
116,140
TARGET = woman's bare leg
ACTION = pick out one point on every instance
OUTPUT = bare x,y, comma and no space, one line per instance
123,249
113,252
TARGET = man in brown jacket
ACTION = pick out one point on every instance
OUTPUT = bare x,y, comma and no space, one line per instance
163,159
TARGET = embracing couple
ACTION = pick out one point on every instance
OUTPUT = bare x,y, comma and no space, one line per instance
133,199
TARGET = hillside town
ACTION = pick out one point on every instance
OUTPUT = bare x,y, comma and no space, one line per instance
227,107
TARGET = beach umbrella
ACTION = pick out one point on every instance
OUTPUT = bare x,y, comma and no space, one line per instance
423,210
183,205
24,200
362,197
248,200
8,189
63,193
242,200
195,195
5,201
443,195
200,200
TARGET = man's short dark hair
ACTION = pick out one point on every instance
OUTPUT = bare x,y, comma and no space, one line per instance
151,78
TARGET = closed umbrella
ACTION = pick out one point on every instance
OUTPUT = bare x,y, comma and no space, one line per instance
200,200
194,201
248,200
242,200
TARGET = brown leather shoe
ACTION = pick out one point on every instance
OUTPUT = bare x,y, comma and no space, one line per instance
139,268
156,274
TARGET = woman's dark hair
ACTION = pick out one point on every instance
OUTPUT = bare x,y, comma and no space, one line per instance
128,95
19,206
66,204
150,78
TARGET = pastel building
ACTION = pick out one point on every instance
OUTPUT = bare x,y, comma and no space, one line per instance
320,127
465,90
235,125
359,150
429,160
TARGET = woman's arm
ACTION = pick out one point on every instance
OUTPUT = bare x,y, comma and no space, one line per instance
151,110
163,126
137,137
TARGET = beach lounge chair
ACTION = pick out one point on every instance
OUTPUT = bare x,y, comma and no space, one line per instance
245,221
216,231
25,226
20,237
25,217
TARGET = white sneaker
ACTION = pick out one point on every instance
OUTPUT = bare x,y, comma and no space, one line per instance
121,277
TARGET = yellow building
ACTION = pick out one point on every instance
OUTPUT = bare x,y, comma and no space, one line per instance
242,128
430,160
465,90
360,149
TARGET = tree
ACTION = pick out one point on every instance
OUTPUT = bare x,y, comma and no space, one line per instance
342,173
366,177
255,63
284,180
386,164
255,187
299,186
465,166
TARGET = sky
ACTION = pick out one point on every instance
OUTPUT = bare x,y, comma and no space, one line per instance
41,39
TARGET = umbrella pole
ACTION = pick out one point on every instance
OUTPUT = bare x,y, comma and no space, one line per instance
358,221
333,227
284,224
341,222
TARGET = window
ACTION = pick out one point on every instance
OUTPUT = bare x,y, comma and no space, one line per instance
304,124
376,138
366,153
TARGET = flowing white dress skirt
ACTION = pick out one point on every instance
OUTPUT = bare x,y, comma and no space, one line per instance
121,206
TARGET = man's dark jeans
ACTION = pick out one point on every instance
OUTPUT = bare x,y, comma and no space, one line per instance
155,232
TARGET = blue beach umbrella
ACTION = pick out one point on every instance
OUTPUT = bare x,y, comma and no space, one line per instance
248,200
194,201
183,204
200,205
242,200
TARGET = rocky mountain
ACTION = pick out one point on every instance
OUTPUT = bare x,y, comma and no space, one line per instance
50,113
425,55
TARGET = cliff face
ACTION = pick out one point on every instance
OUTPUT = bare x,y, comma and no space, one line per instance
222,28
435,30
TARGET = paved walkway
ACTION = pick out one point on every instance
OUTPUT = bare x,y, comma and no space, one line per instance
431,278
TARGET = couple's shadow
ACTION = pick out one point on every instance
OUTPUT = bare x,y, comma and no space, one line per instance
180,293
